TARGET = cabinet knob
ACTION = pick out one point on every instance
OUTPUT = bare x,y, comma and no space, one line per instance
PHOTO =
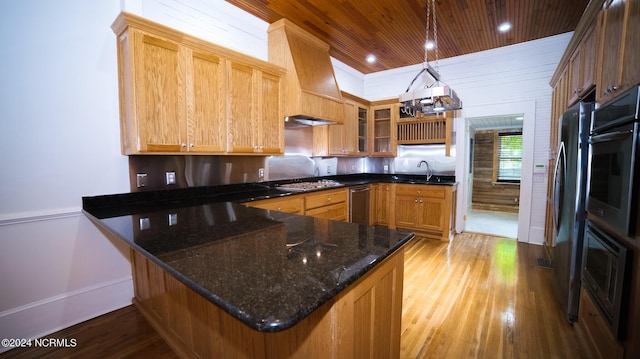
184,145
329,199
415,200
610,89
192,145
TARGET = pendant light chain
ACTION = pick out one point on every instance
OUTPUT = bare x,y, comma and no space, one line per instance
426,42
431,15
435,33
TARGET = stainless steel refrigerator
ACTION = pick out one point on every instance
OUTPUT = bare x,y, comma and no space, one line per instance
569,195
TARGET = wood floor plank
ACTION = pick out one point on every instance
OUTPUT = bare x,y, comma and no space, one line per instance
482,297
476,297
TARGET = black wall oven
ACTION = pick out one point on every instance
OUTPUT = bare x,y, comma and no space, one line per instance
613,178
606,276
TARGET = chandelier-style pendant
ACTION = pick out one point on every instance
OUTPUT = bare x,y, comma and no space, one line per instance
430,97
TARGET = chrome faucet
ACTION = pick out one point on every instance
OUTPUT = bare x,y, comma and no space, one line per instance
429,173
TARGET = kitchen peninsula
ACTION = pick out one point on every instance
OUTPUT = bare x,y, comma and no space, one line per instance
217,278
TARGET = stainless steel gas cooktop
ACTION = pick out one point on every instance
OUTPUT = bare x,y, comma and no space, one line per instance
306,186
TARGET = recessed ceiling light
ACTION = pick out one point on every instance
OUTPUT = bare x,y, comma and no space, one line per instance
504,27
371,58
429,45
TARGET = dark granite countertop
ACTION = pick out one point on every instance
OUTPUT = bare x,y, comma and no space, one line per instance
267,269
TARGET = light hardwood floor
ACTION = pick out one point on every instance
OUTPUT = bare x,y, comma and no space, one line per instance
478,297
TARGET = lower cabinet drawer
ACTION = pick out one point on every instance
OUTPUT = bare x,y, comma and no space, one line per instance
336,212
324,198
433,191
292,205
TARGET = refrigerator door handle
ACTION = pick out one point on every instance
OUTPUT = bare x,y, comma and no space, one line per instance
558,184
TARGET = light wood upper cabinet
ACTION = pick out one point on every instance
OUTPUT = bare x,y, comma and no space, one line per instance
382,128
152,93
582,67
351,137
254,111
343,138
363,130
179,94
206,125
241,107
612,25
270,128
631,54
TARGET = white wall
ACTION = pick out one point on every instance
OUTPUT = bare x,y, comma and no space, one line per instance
507,76
60,141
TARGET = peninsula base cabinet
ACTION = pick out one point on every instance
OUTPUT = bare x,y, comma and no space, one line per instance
363,321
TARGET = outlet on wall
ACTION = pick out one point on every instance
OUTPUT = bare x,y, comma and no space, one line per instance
141,179
171,178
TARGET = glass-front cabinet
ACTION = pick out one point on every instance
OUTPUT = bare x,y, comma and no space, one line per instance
363,130
383,129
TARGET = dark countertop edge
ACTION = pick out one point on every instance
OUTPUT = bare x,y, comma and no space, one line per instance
102,206
259,324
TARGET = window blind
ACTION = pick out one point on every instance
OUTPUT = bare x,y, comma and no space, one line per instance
509,157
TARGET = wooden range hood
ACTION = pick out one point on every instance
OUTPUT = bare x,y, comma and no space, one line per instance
312,96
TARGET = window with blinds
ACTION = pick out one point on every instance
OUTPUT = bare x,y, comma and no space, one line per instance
509,168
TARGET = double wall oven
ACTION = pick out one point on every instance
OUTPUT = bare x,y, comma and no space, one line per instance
612,206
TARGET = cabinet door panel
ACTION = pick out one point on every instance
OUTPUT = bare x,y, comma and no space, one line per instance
240,108
631,67
611,50
382,203
405,211
431,214
206,125
159,87
271,128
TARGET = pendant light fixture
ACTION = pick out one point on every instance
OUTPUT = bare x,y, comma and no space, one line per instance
433,95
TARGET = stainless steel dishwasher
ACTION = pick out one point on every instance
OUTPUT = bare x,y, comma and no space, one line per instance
359,204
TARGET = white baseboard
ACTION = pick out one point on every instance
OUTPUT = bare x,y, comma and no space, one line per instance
50,315
536,235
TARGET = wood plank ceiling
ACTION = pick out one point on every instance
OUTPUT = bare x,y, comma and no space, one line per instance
394,30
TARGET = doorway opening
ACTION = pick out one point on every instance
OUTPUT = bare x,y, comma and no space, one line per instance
495,170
